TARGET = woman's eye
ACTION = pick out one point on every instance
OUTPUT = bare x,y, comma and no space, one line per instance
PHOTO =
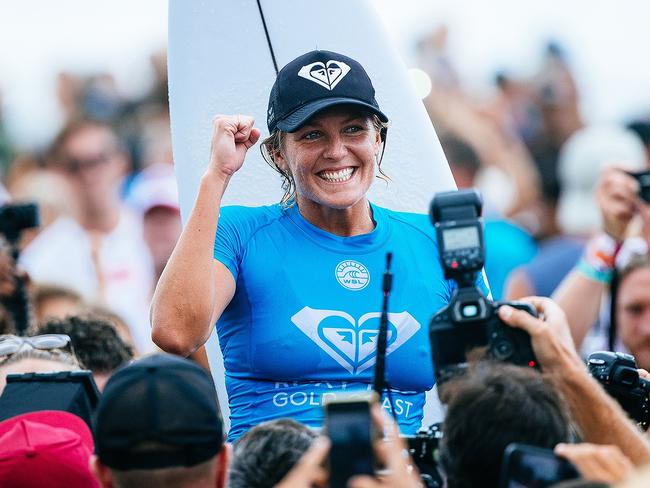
353,129
311,135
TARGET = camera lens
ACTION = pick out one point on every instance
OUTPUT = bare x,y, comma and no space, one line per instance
502,349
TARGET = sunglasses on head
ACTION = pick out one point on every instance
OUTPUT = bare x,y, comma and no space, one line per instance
11,344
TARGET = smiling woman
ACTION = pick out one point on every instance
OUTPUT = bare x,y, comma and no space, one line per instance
295,287
330,162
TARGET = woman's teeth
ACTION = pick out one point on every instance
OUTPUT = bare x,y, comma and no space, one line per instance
337,176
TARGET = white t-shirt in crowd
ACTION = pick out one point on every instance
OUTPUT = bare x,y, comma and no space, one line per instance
62,254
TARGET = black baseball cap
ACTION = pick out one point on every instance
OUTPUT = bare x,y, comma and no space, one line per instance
315,81
158,412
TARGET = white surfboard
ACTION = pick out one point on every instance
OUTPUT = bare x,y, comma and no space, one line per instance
222,60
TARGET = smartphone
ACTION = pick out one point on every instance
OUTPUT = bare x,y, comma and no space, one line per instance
527,466
643,177
352,434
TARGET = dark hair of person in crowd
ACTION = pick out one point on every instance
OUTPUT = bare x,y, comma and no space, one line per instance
263,455
463,160
6,322
94,340
489,407
107,315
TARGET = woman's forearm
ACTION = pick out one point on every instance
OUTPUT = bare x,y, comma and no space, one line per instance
186,295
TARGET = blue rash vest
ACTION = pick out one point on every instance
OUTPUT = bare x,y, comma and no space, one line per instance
302,325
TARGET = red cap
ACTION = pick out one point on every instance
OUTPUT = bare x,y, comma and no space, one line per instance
47,448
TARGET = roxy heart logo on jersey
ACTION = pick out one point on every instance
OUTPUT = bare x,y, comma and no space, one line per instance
327,75
353,343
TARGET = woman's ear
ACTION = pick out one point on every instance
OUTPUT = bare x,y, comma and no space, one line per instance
378,141
280,161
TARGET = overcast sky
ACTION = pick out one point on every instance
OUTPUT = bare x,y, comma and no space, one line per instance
607,43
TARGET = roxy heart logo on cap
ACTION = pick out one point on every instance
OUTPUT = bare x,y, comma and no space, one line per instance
351,342
327,75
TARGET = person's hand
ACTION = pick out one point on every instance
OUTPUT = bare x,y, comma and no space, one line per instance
600,463
7,274
550,334
643,374
643,209
309,471
232,136
616,194
392,452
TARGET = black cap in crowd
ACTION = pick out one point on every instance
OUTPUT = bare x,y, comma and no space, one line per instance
315,81
158,412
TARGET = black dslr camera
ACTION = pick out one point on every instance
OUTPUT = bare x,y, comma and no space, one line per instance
423,449
15,218
470,320
618,374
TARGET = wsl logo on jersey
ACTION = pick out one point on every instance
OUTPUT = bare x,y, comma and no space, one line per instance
352,342
352,275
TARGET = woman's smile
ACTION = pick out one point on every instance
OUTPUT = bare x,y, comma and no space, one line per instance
342,175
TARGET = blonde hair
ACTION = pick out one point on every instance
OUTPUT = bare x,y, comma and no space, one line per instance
54,355
272,146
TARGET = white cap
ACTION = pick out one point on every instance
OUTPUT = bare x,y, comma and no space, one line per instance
155,186
582,158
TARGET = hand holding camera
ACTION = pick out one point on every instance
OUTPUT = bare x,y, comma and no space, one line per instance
549,333
595,462
390,451
348,450
620,195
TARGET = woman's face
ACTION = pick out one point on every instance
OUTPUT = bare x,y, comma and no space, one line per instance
332,157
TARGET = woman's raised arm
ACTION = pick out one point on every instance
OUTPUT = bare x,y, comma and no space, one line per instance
195,288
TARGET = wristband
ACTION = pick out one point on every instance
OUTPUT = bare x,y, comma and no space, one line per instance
599,258
602,276
601,251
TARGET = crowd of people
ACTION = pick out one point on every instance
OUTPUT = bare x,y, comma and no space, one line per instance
567,216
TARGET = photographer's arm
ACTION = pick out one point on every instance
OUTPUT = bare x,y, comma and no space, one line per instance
194,288
600,418
579,295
